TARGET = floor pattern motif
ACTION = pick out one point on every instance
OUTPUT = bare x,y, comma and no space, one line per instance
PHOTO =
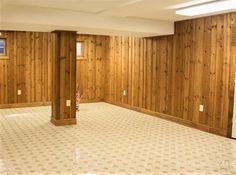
108,140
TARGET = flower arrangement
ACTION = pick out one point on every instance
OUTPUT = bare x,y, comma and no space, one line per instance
79,97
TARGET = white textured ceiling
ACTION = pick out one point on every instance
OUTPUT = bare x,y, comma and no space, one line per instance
150,9
95,15
90,6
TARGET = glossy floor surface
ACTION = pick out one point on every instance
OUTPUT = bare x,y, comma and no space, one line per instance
108,140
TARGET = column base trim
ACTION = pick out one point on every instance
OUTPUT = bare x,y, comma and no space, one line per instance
64,122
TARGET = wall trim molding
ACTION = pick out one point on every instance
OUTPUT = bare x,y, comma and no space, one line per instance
35,104
91,101
173,119
21,105
70,121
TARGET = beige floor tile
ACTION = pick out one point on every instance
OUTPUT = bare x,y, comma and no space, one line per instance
108,140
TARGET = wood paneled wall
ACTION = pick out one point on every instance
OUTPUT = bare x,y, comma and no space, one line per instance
173,75
168,76
204,65
142,67
28,68
90,74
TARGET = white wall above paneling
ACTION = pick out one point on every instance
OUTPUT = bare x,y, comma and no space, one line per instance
0,12
47,19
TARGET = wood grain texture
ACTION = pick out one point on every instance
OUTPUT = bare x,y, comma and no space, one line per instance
64,78
173,75
28,68
90,74
204,69
143,71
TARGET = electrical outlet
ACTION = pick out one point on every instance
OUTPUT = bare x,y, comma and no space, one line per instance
18,92
124,92
201,109
67,103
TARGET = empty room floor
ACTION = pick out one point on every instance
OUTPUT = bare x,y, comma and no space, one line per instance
108,140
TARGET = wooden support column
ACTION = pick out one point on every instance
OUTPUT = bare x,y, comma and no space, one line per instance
64,78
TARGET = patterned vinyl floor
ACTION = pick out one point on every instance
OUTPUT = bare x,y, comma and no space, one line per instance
108,140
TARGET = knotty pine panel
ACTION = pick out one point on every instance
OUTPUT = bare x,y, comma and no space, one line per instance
204,71
90,74
141,67
28,68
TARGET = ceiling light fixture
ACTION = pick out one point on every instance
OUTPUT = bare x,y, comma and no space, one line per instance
216,6
189,3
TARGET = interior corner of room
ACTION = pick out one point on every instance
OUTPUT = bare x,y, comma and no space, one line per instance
117,87
186,73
